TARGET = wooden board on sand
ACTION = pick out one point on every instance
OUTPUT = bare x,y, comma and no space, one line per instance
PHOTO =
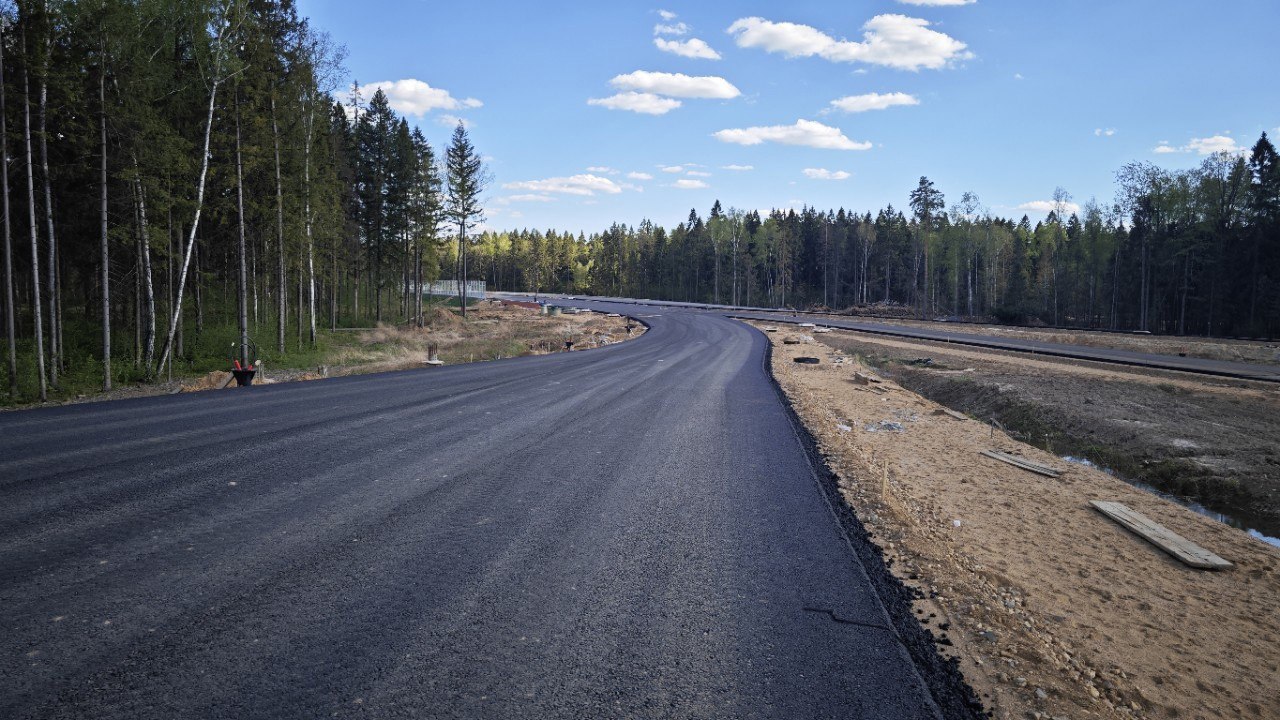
1160,536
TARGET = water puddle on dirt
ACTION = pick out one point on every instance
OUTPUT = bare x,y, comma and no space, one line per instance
1191,504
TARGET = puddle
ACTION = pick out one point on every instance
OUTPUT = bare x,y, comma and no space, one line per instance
1194,506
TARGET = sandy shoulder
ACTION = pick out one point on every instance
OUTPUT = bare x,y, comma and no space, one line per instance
1052,608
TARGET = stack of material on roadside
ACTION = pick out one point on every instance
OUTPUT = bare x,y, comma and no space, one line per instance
769,328
822,330
1023,463
807,325
1179,547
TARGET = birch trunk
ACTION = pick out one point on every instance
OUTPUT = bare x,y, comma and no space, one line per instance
200,185
38,315
306,214
242,290
280,304
148,288
51,282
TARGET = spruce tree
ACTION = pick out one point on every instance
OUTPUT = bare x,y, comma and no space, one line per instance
465,176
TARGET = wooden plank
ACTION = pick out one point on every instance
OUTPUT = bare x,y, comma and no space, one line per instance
1167,540
1022,463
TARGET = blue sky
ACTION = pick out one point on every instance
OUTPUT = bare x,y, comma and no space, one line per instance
1005,98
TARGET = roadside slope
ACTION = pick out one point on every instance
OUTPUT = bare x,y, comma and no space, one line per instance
1052,608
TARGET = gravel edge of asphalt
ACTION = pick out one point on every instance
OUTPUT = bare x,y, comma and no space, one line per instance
953,696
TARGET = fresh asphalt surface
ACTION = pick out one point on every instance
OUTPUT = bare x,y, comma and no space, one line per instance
634,531
1202,366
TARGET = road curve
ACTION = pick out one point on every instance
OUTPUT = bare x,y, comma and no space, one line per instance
1201,366
634,531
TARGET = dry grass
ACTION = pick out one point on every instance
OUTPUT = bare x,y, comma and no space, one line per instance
490,332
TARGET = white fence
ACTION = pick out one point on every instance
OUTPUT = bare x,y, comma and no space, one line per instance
449,288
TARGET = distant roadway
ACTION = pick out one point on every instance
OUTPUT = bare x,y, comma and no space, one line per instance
633,531
1221,368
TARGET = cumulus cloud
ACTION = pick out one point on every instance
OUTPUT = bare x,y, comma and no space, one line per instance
639,176
526,197
804,132
687,184
637,102
938,3
1211,145
676,85
415,97
825,174
738,168
1104,132
698,173
670,29
691,48
672,169
667,15
1047,206
895,41
450,121
587,184
602,169
1201,146
873,101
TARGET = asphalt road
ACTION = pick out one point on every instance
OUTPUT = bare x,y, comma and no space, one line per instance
1202,366
634,531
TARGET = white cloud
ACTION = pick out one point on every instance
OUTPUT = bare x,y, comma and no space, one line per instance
691,48
637,102
687,184
805,132
528,197
639,176
1017,76
602,169
1215,144
738,168
698,173
895,41
938,3
676,85
575,185
673,169
667,15
873,101
1047,206
415,97
1104,132
672,29
825,174
451,121
1202,146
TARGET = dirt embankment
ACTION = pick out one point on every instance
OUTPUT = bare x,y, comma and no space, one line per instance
1249,351
491,331
1210,440
1053,610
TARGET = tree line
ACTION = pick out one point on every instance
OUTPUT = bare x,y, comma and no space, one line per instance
182,183
1177,251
